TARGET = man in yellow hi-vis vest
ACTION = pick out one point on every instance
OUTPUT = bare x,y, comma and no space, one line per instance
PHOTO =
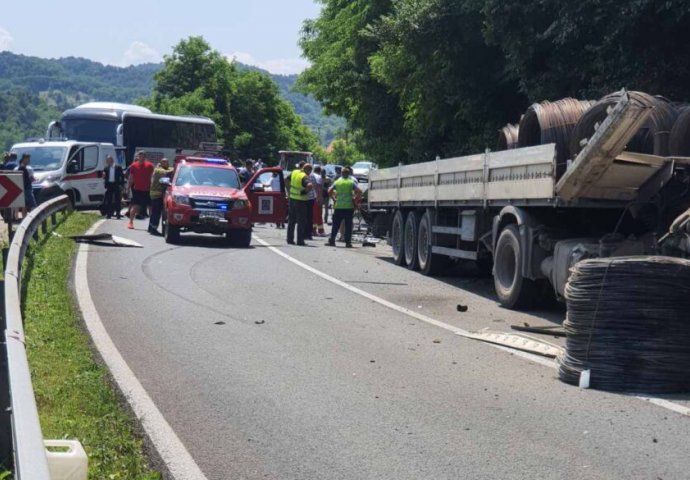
299,204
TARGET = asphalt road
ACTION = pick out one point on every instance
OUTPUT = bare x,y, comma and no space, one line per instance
332,385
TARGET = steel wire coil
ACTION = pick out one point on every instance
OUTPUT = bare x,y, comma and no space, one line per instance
679,141
507,137
628,323
552,122
652,137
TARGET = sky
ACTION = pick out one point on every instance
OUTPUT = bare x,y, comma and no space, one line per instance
129,32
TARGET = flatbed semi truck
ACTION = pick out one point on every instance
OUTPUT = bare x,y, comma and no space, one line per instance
512,214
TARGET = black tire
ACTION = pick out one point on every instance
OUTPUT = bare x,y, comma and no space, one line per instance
240,238
397,238
512,289
170,232
430,264
410,241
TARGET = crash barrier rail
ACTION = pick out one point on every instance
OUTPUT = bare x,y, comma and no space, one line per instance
29,451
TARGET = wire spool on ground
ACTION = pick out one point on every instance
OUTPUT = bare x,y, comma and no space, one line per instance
507,137
629,324
651,138
552,122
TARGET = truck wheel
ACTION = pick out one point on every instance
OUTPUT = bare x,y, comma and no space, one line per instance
397,238
512,289
429,263
240,238
410,241
171,233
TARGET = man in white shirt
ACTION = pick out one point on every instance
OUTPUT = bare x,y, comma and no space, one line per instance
317,218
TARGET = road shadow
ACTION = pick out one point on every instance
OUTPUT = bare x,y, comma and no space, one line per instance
208,241
465,276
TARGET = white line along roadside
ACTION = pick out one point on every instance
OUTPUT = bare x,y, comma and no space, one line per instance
660,402
178,460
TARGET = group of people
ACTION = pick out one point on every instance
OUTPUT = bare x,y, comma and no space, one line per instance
143,183
309,191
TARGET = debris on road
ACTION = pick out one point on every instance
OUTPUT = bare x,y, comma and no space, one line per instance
437,340
461,308
555,330
219,323
260,322
104,238
517,341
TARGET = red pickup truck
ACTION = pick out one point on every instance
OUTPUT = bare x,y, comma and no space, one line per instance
205,196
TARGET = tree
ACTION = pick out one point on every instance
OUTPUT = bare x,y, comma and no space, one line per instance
250,116
338,46
589,48
450,85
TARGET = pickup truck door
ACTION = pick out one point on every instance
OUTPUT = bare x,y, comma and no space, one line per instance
267,206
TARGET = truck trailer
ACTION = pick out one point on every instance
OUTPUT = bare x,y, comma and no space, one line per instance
512,214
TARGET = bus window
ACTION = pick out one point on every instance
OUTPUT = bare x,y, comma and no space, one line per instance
90,130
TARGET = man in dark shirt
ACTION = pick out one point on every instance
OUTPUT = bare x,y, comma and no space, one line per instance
114,180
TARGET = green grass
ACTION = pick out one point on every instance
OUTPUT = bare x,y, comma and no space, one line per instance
74,396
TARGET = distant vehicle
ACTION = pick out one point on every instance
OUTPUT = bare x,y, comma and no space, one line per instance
132,128
330,170
360,170
289,159
205,196
68,167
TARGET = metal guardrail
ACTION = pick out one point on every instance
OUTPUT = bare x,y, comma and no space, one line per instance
30,462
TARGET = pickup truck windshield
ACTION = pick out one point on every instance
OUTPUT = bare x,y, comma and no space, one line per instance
43,157
207,177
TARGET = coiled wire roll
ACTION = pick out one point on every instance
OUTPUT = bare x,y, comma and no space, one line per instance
652,137
552,122
679,141
507,138
628,323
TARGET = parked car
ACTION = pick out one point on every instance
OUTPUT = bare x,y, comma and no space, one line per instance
360,170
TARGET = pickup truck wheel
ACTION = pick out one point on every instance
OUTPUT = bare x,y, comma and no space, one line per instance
512,289
171,233
430,264
397,238
240,238
410,241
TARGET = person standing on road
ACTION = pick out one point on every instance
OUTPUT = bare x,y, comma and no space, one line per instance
28,179
156,194
344,193
139,183
9,162
299,205
114,180
311,195
317,218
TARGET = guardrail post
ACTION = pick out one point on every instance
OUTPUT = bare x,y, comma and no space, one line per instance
44,227
53,219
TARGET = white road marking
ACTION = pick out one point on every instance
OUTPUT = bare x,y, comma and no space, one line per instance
660,402
178,460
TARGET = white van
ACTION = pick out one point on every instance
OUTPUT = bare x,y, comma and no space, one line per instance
74,168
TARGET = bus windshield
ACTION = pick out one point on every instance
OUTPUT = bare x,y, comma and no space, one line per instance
207,177
43,157
90,130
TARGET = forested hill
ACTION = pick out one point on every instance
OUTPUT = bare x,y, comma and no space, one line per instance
41,88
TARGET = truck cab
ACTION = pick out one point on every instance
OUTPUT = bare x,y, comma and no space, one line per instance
68,167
